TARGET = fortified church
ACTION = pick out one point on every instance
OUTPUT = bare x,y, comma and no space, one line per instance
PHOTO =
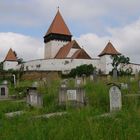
61,53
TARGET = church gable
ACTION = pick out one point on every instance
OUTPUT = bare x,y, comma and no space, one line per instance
72,50
81,54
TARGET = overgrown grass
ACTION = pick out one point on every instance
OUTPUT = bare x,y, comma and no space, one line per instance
80,123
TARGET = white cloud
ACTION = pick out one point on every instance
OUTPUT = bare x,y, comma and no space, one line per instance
36,12
126,40
26,47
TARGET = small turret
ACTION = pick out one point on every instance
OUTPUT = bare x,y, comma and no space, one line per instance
10,61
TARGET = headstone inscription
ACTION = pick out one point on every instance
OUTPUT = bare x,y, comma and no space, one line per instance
115,98
3,91
124,86
78,82
33,97
73,96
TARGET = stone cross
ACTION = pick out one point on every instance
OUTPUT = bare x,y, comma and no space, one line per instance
115,98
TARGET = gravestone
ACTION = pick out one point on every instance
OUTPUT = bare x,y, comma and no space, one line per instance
64,83
91,77
108,77
3,91
124,86
83,79
35,84
136,74
115,74
72,96
33,97
132,79
115,98
95,76
139,84
78,82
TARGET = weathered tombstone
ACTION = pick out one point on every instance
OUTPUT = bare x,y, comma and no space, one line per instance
108,77
34,98
78,81
95,76
132,79
3,91
115,74
5,82
83,79
72,96
124,86
64,83
139,84
35,84
136,74
91,77
115,98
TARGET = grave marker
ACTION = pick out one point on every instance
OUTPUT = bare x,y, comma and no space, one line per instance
74,96
78,82
3,91
34,98
115,98
124,86
115,74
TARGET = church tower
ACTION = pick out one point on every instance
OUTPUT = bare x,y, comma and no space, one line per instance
56,37
105,57
10,61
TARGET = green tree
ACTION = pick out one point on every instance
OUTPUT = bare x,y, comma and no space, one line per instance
119,62
83,69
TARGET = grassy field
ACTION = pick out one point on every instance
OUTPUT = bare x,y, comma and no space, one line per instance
80,123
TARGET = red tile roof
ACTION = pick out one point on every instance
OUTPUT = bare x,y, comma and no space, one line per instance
79,54
10,56
63,52
109,50
58,26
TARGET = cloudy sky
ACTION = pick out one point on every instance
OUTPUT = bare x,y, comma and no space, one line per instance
92,22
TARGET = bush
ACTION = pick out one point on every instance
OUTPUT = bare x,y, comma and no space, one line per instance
83,69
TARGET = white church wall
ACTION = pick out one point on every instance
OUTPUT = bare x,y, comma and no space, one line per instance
106,64
9,65
135,67
64,65
52,48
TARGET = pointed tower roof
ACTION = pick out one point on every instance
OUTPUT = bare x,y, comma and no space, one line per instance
109,50
58,26
10,56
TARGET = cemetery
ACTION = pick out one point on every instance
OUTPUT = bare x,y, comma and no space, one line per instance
71,108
